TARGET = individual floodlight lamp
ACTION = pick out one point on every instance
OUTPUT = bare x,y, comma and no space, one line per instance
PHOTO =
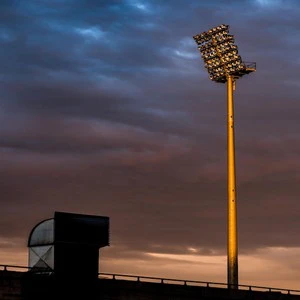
224,64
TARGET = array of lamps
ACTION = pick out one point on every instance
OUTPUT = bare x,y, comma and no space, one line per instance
219,53
206,36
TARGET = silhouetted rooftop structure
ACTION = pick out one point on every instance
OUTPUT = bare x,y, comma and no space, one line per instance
68,244
63,264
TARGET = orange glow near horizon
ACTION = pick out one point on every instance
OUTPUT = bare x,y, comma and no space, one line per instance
271,267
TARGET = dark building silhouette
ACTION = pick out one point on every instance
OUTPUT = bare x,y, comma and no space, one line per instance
68,245
64,260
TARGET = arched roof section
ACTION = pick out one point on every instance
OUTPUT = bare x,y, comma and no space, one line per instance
42,234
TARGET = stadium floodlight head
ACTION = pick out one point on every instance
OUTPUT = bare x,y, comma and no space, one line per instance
218,43
224,64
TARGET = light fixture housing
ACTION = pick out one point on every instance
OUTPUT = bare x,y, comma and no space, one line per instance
220,54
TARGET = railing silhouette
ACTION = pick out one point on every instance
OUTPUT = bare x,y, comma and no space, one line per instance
208,284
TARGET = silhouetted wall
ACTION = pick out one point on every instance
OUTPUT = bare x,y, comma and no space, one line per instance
26,286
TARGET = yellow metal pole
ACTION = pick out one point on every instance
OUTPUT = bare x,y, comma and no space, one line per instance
232,244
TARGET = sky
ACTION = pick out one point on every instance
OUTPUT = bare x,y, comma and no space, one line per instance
106,109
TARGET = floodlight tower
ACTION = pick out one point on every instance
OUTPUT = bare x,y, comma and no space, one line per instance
223,64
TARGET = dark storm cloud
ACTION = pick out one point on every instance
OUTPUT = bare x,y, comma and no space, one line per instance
106,109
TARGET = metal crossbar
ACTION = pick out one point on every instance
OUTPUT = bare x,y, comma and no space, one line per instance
208,284
250,65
